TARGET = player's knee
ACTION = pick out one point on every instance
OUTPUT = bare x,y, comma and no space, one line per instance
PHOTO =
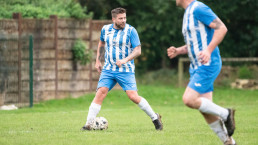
100,95
134,97
188,101
102,91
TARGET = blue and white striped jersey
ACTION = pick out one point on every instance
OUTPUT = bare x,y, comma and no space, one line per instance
198,34
119,43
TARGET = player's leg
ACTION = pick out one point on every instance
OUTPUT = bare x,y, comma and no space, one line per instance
128,83
145,106
106,83
95,107
100,95
133,96
142,103
201,82
216,124
192,99
210,111
96,104
220,130
209,117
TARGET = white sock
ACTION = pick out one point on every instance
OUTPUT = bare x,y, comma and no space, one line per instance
233,141
219,128
93,112
209,107
145,106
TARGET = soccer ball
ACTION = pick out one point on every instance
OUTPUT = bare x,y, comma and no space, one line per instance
100,123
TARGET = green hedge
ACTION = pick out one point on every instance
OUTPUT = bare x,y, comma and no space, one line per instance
43,9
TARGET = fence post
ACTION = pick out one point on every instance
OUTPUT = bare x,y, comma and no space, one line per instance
90,65
180,72
18,16
54,18
31,69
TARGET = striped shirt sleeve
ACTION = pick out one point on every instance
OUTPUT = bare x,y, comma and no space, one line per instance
204,14
134,38
102,35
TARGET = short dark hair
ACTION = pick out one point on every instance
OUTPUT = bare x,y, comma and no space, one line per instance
116,11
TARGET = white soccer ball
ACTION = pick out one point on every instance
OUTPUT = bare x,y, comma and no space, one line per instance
100,123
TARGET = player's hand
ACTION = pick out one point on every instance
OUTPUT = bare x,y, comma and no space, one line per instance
120,62
204,56
172,52
98,66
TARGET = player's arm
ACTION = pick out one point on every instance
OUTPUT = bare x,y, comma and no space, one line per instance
173,51
220,31
100,53
136,52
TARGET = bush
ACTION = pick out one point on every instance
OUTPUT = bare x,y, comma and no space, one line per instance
158,77
43,9
81,53
76,11
244,73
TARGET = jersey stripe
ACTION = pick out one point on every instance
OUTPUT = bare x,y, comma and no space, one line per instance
195,46
190,40
108,36
124,67
116,50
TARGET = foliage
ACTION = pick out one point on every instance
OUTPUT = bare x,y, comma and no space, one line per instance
159,25
76,11
43,9
81,53
158,77
244,73
241,19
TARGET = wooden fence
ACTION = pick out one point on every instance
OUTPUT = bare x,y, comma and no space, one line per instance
183,60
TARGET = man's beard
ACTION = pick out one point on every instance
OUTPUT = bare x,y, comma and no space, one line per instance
121,26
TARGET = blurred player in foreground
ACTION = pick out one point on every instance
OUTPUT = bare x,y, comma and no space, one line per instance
203,31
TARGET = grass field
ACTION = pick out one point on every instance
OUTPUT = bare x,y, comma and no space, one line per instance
58,122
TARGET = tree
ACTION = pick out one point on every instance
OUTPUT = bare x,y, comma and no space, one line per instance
159,24
43,8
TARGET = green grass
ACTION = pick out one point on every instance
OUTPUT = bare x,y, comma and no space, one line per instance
58,122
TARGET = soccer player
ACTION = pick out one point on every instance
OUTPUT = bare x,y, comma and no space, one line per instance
203,31
122,44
